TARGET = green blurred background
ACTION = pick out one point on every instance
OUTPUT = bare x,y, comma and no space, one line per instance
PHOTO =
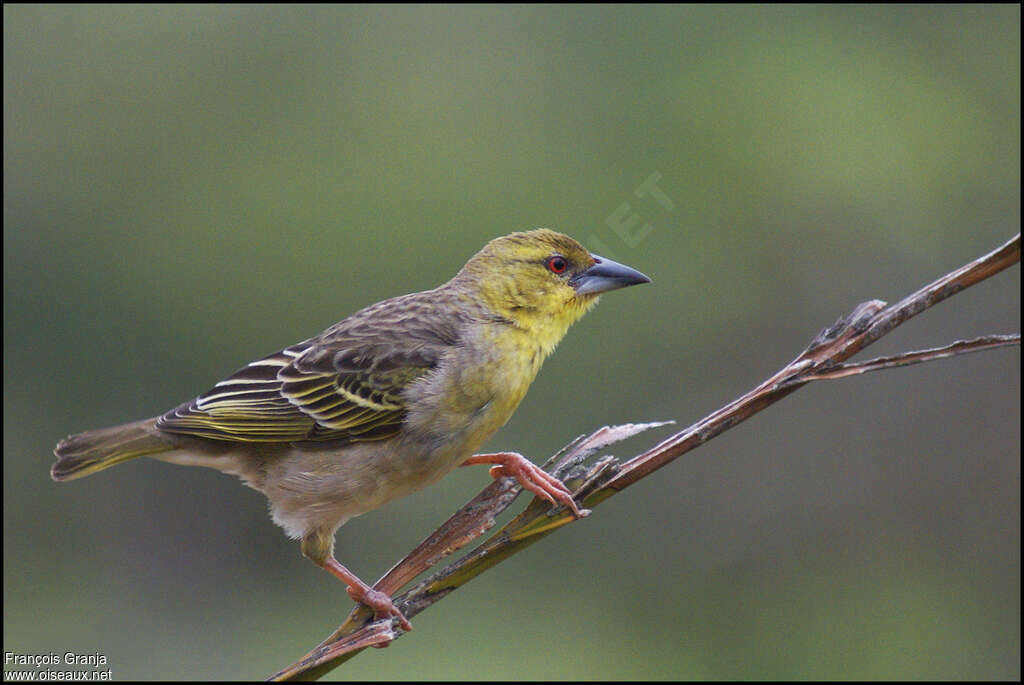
189,188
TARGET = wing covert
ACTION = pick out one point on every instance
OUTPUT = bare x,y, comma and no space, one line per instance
345,384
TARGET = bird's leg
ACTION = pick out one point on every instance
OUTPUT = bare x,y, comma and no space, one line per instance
530,476
315,550
361,592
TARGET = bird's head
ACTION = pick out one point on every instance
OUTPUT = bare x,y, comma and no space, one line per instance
542,280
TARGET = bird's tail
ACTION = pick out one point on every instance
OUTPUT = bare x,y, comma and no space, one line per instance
84,453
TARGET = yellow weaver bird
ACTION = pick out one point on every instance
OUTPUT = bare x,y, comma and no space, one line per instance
382,403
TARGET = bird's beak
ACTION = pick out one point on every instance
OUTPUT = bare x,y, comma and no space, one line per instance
606,275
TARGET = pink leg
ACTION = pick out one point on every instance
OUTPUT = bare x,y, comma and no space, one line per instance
530,476
363,593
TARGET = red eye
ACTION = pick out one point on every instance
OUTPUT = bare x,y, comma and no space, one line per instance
557,264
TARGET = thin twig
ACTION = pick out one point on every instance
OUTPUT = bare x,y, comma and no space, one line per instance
824,359
985,342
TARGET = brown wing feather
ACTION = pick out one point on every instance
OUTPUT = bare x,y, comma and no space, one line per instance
345,384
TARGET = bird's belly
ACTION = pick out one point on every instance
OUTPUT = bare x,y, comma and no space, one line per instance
321,489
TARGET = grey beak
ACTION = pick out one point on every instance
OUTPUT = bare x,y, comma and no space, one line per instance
606,275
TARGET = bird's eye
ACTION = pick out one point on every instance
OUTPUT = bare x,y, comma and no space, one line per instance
557,264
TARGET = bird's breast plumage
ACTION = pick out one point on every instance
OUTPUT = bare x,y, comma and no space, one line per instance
475,389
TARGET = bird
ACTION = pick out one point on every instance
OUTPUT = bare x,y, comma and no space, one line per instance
382,403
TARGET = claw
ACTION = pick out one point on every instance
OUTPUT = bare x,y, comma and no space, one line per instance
530,476
383,607
381,604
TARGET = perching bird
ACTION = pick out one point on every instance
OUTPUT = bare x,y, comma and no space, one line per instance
382,403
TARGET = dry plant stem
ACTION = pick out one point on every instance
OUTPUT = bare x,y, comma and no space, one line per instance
868,322
822,360
985,342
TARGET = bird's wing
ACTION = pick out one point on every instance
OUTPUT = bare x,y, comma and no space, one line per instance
345,384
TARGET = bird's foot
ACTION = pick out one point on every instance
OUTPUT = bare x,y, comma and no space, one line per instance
362,593
530,476
381,604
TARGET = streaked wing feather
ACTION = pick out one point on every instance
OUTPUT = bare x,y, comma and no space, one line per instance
345,384
244,407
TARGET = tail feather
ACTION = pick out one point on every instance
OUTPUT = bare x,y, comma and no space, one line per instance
85,453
